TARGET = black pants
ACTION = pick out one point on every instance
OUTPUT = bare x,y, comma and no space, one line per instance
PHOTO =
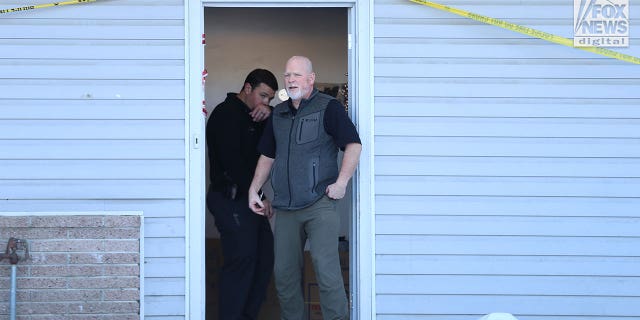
247,249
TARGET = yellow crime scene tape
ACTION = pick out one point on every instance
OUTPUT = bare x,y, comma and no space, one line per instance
529,31
488,20
46,5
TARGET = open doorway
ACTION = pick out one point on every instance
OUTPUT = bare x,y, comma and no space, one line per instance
239,40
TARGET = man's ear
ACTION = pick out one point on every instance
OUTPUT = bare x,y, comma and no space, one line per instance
247,88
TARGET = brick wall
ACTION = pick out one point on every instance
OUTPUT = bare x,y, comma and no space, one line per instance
81,267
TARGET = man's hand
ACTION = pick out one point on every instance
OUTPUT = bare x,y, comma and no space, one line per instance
349,162
268,210
255,204
260,176
336,191
260,113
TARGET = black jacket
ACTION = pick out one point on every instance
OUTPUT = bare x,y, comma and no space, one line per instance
232,137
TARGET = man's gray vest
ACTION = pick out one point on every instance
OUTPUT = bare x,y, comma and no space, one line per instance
306,156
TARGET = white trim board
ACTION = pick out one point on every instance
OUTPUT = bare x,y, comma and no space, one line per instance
361,71
195,300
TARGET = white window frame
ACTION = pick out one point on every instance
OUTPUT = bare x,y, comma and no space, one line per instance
361,100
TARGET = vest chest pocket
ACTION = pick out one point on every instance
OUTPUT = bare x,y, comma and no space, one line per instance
308,129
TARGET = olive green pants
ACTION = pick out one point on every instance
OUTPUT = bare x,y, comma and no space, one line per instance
320,224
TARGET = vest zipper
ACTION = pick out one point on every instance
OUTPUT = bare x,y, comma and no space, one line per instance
315,165
293,120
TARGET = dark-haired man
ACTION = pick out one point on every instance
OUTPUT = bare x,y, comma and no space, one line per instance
233,131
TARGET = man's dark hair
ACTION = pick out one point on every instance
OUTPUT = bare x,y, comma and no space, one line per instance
258,76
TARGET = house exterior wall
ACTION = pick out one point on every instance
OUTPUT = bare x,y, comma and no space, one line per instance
506,167
92,118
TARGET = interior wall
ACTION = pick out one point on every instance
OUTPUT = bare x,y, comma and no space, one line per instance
239,40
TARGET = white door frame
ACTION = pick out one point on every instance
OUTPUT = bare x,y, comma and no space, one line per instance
361,79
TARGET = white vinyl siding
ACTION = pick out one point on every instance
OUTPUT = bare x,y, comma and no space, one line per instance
92,118
507,168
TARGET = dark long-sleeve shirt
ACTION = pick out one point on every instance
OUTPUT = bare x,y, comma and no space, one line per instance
232,137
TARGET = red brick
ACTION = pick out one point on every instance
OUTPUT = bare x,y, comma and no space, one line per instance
74,271
104,307
5,270
44,308
121,316
120,258
44,258
103,233
14,222
122,270
36,283
104,282
49,317
21,295
122,221
75,258
122,246
59,295
68,245
67,221
122,295
41,317
33,233
85,258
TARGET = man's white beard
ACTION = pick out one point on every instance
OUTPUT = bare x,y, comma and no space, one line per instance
295,96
